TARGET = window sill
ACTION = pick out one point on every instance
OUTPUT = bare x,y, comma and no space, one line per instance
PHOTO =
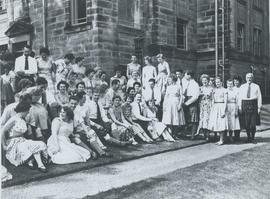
69,28
129,29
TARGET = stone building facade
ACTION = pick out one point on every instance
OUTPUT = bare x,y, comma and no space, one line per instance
108,32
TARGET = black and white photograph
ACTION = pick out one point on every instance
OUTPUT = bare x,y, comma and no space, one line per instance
135,99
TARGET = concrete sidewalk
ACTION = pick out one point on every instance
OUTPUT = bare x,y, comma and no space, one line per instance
23,175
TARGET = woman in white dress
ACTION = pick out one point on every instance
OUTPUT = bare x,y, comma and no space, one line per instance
232,109
45,69
173,114
133,66
218,121
18,149
163,73
148,71
60,148
157,129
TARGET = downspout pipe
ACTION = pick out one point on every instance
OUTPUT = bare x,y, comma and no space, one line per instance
44,22
216,38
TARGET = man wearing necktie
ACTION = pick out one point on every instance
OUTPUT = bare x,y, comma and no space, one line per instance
250,103
25,67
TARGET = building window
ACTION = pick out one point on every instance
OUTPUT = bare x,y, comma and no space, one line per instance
241,37
258,3
129,13
257,42
3,5
181,34
78,12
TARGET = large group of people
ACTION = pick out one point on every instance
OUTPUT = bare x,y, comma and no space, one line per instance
64,112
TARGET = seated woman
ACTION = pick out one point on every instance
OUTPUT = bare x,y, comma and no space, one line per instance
155,127
137,113
18,149
23,85
62,96
60,148
121,129
137,129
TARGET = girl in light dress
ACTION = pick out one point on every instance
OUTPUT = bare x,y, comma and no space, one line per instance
148,72
157,129
60,148
121,129
205,106
89,84
62,97
137,129
18,149
163,73
232,109
76,74
173,114
45,69
218,121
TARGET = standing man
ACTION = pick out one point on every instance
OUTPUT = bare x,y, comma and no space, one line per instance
133,66
25,66
191,91
250,103
179,74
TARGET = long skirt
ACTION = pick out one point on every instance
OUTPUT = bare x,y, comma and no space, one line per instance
216,122
69,152
161,82
156,129
171,115
20,149
121,133
233,121
205,109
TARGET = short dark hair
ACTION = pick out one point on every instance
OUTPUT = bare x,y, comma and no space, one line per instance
69,56
152,80
80,95
41,81
73,98
82,83
137,83
129,89
131,97
174,77
62,82
28,46
115,81
102,74
26,97
69,112
78,59
23,106
116,97
238,77
44,50
88,71
179,70
229,80
190,72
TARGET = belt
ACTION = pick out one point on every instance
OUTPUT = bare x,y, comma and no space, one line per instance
218,102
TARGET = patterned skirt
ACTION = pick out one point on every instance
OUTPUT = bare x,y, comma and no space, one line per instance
205,109
20,149
121,133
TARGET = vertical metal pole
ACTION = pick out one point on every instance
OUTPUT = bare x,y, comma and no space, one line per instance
223,41
44,23
216,38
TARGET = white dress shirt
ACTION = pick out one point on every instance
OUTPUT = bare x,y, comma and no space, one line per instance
93,111
148,94
191,89
20,65
255,93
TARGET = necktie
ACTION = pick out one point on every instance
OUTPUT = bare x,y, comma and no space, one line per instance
153,95
248,91
98,112
26,65
140,108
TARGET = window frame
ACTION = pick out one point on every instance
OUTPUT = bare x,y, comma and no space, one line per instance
184,35
124,20
257,41
74,13
243,37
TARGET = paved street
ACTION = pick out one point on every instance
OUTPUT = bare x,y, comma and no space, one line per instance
204,171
